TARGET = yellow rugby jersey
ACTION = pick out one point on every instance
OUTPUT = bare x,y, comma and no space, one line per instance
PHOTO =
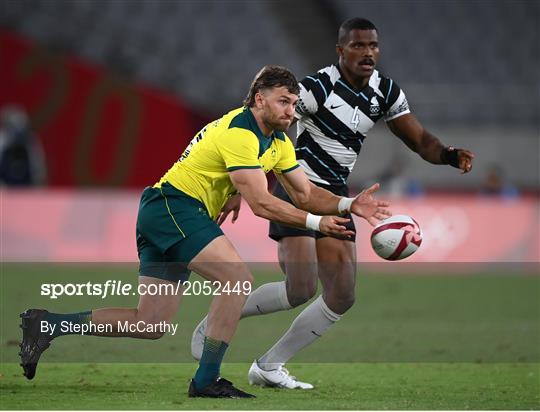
232,142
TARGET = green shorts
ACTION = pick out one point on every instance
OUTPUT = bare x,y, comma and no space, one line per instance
172,228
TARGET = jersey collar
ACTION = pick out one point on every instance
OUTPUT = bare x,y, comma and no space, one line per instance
344,80
255,128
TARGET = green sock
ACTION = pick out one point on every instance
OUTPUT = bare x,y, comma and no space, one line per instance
210,362
68,323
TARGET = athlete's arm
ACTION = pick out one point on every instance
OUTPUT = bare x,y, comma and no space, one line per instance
252,185
311,197
429,147
306,195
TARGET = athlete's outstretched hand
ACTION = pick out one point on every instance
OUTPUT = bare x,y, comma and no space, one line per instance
334,226
465,160
231,205
371,209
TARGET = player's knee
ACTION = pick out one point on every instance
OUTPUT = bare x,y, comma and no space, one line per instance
339,301
298,299
345,301
299,295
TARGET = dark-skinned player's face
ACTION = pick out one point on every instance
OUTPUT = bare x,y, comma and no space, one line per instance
360,53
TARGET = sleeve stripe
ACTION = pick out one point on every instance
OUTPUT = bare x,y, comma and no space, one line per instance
320,83
389,90
232,168
290,169
387,119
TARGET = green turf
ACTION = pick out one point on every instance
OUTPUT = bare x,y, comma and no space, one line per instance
397,318
338,386
410,342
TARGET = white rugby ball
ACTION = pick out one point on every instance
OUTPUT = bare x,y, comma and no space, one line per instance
396,238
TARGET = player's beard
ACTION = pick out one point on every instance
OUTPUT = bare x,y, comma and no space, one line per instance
283,126
277,124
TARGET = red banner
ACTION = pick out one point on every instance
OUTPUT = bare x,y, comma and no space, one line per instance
100,226
97,129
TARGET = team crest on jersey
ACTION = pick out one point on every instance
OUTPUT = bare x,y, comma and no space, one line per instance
374,108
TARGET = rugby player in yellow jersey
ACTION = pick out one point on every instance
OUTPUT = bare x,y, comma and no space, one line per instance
177,230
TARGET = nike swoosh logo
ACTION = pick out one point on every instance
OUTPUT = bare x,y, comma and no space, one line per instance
335,107
315,333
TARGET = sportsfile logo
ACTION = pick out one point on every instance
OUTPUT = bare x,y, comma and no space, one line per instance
109,288
119,288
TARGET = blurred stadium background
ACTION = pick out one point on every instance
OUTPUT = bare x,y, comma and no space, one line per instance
98,99
114,90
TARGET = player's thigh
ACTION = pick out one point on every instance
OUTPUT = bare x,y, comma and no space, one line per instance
173,229
337,265
298,260
219,261
159,299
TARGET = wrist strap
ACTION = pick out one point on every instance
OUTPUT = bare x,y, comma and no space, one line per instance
344,205
313,221
449,156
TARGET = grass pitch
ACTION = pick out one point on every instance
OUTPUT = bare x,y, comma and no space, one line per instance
338,386
459,341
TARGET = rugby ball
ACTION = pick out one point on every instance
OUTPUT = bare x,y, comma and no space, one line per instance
396,238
